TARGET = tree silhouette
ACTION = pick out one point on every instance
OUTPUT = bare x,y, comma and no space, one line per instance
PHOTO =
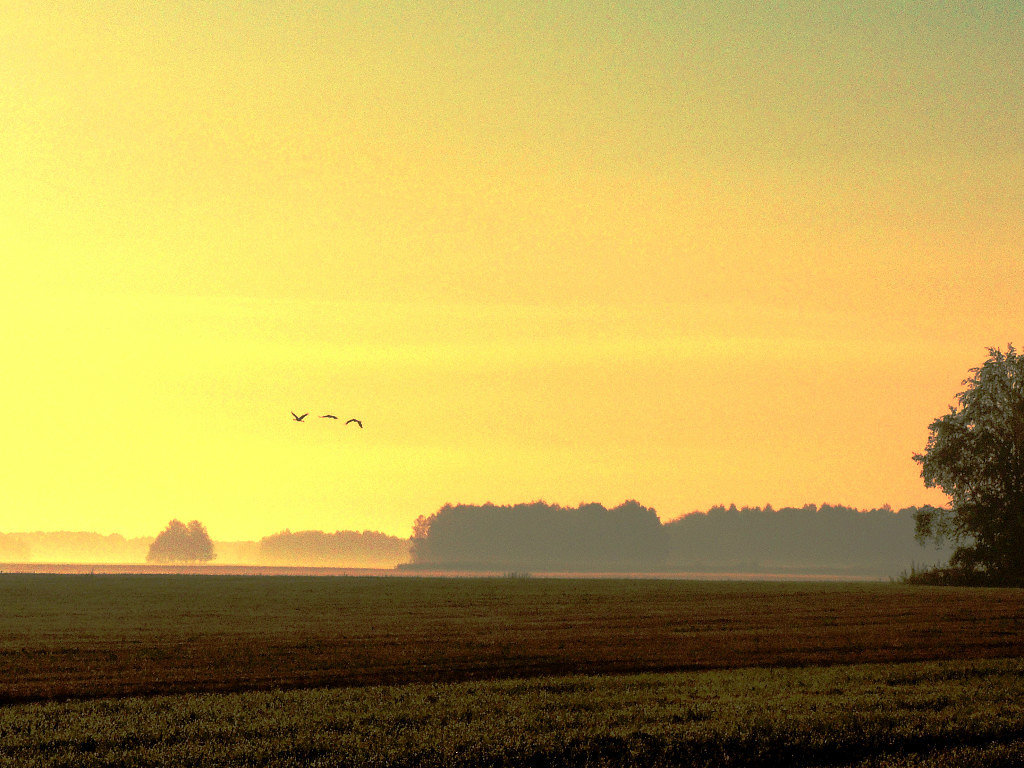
539,536
181,543
338,548
975,454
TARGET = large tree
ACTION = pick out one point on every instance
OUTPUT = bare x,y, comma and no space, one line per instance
181,543
975,454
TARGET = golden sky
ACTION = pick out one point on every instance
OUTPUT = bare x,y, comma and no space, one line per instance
687,253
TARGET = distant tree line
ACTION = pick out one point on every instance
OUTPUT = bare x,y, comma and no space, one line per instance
13,549
71,546
546,537
367,549
829,538
539,536
341,548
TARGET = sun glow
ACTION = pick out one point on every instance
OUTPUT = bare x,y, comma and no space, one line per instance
680,255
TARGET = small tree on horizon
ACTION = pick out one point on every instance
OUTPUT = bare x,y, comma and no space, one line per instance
975,454
181,543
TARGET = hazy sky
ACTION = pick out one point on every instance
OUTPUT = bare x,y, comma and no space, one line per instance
681,252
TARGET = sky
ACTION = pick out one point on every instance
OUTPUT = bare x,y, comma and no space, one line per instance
685,253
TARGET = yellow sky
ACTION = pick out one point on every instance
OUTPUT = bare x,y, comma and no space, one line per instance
684,253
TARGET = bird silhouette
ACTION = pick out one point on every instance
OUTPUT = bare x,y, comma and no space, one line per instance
328,416
357,421
299,418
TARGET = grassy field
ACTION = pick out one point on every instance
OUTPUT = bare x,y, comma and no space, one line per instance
938,714
416,671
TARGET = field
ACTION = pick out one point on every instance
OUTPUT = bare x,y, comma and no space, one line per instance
937,714
406,671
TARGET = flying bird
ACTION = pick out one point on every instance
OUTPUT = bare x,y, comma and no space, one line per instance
299,418
328,416
357,421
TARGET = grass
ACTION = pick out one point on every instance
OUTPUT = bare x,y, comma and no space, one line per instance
93,636
960,714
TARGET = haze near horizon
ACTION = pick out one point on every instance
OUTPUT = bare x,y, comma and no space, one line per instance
689,254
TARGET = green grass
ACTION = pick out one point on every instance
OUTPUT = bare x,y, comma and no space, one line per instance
91,636
960,714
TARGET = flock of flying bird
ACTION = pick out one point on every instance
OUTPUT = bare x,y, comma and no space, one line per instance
326,416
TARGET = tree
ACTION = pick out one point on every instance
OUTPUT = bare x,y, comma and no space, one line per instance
975,454
181,543
540,536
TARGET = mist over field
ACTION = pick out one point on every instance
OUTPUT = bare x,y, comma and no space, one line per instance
366,549
72,547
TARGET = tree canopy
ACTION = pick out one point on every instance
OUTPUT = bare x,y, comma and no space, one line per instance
181,543
539,536
975,454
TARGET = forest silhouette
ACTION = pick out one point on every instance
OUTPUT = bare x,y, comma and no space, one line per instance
630,537
542,537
